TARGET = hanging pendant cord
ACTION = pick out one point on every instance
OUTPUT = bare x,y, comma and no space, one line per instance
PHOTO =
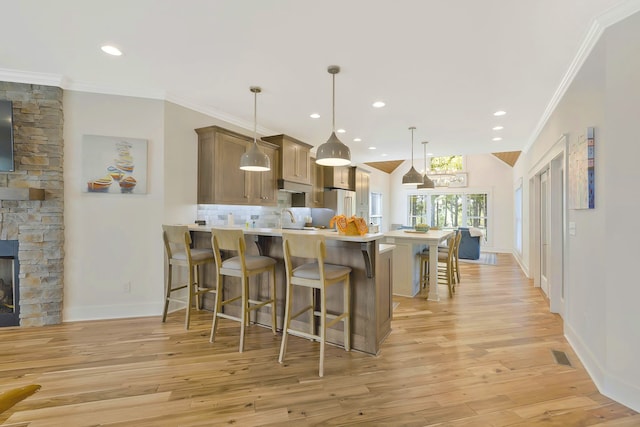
333,105
411,147
255,117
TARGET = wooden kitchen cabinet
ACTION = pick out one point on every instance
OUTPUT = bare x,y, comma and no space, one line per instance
295,165
263,186
342,177
362,179
316,197
220,179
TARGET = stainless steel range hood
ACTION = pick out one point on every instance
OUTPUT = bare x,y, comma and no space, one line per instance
293,187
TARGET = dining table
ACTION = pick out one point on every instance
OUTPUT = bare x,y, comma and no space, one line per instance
406,262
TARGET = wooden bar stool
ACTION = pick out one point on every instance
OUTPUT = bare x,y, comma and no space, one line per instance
446,264
314,275
242,266
177,245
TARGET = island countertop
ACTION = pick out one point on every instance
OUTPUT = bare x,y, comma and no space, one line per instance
329,234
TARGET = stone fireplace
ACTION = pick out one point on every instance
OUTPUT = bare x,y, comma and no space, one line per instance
36,225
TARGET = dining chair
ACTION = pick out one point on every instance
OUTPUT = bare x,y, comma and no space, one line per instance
316,276
226,242
178,252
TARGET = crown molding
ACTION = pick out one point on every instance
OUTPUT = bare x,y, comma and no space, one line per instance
31,77
217,114
56,80
597,28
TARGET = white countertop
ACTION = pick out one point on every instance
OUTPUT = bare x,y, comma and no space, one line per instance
429,237
277,232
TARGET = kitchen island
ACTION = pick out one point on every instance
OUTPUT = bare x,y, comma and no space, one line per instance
409,244
371,281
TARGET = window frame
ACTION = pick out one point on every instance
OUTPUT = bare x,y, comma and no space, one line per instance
462,192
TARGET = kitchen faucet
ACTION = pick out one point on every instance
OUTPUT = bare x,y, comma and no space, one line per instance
293,218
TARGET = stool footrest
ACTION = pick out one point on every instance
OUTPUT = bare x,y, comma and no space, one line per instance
228,316
304,310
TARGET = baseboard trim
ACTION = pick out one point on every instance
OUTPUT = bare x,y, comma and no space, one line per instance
609,385
103,312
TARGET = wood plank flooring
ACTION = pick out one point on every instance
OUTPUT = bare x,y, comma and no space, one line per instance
483,358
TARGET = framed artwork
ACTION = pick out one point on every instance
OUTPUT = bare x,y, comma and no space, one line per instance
114,165
582,171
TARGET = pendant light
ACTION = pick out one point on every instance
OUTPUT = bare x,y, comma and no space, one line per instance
333,152
412,177
426,181
253,159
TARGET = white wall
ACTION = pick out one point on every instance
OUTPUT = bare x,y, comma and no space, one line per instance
601,315
112,239
486,173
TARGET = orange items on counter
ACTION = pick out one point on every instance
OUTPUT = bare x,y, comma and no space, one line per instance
353,226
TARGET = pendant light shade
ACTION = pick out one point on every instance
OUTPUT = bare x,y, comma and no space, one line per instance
253,159
426,181
412,177
333,152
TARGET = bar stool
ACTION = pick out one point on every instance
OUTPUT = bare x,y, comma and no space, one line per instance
177,245
314,275
242,266
443,252
445,265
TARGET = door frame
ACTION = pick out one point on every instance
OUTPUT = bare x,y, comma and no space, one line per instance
555,161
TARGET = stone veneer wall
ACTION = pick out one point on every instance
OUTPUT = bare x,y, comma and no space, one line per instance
37,225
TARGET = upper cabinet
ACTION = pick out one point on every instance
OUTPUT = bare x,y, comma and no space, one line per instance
362,178
295,165
316,197
220,179
342,177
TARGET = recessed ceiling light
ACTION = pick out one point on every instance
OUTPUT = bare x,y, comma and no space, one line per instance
379,104
384,154
497,139
314,116
111,50
357,139
372,148
341,131
500,113
498,127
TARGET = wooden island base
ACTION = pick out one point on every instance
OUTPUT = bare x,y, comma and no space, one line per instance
371,283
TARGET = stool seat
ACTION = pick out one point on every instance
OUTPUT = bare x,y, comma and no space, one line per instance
241,266
251,262
178,251
196,255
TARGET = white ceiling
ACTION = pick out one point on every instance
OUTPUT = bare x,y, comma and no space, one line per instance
442,66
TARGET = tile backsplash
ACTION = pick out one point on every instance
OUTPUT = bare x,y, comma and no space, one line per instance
254,216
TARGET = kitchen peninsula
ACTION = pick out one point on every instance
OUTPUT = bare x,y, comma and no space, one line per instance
371,280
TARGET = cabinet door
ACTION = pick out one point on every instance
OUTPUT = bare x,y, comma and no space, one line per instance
231,185
295,162
263,187
317,183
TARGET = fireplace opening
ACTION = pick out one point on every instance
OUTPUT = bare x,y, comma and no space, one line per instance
9,284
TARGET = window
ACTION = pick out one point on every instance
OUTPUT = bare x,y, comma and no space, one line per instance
450,210
375,216
446,164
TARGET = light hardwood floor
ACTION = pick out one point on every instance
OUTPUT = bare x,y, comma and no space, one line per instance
481,359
